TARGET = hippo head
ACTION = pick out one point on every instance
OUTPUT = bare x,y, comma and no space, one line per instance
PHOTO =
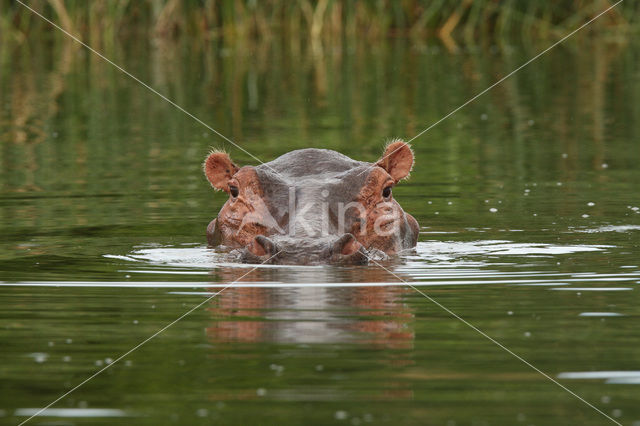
312,206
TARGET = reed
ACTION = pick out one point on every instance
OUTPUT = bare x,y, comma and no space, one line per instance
314,19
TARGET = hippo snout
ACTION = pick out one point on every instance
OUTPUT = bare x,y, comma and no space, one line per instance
344,250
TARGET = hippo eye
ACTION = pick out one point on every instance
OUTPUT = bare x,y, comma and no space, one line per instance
386,193
233,190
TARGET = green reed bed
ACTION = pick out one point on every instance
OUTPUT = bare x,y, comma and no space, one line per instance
447,19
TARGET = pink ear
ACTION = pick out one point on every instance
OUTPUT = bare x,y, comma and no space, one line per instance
397,160
219,169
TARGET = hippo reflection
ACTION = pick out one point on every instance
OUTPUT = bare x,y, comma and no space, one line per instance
361,313
312,206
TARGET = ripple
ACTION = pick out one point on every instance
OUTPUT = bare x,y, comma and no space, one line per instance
610,377
71,412
600,314
432,263
442,253
501,248
593,288
610,228
189,258
624,381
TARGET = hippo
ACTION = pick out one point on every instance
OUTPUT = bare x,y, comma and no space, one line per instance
312,206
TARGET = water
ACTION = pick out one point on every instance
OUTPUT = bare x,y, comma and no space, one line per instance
528,201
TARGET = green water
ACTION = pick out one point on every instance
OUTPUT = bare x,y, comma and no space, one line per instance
527,198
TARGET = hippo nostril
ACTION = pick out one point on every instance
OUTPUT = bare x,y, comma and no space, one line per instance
346,250
346,245
262,246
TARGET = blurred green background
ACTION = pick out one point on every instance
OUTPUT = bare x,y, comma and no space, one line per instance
104,21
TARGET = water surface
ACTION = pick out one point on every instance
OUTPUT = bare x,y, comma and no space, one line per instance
528,202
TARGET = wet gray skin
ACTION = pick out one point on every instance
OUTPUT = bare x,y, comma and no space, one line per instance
300,207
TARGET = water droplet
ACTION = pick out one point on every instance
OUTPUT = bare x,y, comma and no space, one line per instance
66,358
605,165
616,413
135,321
108,360
319,367
531,122
69,341
510,313
527,334
565,155
484,117
341,415
261,391
39,357
202,412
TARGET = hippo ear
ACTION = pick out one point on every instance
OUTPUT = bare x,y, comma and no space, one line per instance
397,160
219,169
